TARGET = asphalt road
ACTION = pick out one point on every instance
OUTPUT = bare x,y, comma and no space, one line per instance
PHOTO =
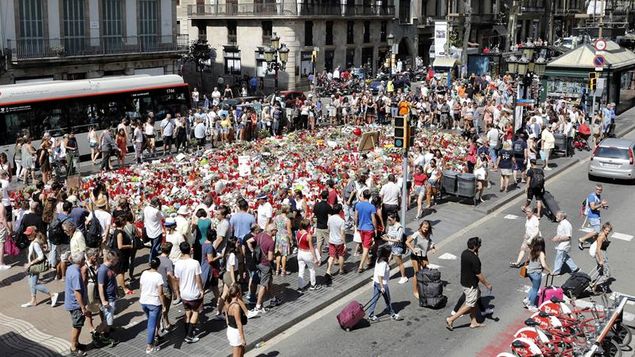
422,331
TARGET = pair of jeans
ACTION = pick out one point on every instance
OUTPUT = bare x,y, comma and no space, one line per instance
305,259
375,298
562,258
153,313
155,249
52,254
34,286
536,281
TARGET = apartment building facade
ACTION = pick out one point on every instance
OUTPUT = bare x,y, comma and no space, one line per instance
344,33
78,39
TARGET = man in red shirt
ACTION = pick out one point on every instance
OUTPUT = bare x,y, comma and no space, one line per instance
264,241
332,198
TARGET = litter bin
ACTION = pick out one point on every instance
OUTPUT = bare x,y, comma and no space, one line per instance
449,182
466,185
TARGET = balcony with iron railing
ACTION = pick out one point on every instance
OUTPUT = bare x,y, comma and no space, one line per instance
32,49
287,9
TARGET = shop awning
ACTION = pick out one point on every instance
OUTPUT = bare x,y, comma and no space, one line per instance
582,57
444,62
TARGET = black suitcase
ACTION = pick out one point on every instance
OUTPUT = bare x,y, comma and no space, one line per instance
576,285
427,275
551,207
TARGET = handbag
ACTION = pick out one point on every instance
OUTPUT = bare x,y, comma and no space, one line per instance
40,267
137,243
10,248
523,270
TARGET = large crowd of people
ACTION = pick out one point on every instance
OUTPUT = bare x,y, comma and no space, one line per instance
91,241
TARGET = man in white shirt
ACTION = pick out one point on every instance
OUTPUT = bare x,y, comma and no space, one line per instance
103,217
200,131
152,217
195,98
6,199
265,211
563,245
167,131
184,224
337,246
532,231
493,137
215,96
187,273
390,194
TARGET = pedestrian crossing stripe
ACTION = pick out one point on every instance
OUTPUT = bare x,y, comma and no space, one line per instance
524,289
587,229
622,236
434,266
447,256
511,216
627,316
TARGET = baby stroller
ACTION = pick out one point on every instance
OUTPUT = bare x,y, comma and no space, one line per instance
581,139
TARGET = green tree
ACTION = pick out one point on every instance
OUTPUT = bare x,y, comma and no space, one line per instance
202,55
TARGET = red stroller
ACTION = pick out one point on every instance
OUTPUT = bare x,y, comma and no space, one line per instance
581,139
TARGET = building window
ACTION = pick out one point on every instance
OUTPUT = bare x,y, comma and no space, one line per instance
329,33
350,57
383,30
267,32
308,33
31,28
328,60
232,60
112,24
350,32
366,31
404,11
261,65
73,24
148,23
367,56
306,64
232,34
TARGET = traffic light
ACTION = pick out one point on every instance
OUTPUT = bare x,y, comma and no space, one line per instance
592,80
401,132
412,131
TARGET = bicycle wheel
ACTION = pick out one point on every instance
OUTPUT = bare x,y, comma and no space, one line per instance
612,349
623,335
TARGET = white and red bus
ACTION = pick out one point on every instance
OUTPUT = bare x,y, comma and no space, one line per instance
58,107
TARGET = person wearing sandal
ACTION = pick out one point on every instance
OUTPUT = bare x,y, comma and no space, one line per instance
151,300
36,258
471,276
236,319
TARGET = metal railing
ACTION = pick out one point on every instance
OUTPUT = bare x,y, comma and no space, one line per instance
288,9
71,47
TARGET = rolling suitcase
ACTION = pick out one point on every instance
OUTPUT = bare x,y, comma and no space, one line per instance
550,205
576,286
430,289
549,291
352,314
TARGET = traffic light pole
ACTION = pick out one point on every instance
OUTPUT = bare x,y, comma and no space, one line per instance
405,198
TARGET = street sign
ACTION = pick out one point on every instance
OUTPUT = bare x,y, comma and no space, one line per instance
522,102
600,44
599,61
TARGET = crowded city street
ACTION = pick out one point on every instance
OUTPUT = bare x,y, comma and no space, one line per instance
290,178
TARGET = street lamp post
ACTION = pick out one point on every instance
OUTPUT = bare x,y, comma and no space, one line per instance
524,70
276,57
390,40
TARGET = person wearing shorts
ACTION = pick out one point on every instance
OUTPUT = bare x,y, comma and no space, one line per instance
394,237
471,276
107,287
166,269
420,244
337,244
366,224
74,303
594,203
187,272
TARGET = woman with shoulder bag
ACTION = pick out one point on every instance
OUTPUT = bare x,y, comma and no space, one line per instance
37,263
236,319
394,235
537,263
420,245
122,243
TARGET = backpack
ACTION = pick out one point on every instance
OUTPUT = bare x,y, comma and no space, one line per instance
538,179
93,233
56,232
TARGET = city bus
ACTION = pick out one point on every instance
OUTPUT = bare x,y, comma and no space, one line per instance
59,107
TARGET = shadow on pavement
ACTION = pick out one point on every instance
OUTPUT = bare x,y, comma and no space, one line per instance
12,344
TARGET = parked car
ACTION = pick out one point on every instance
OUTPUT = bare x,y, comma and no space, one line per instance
288,97
613,158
